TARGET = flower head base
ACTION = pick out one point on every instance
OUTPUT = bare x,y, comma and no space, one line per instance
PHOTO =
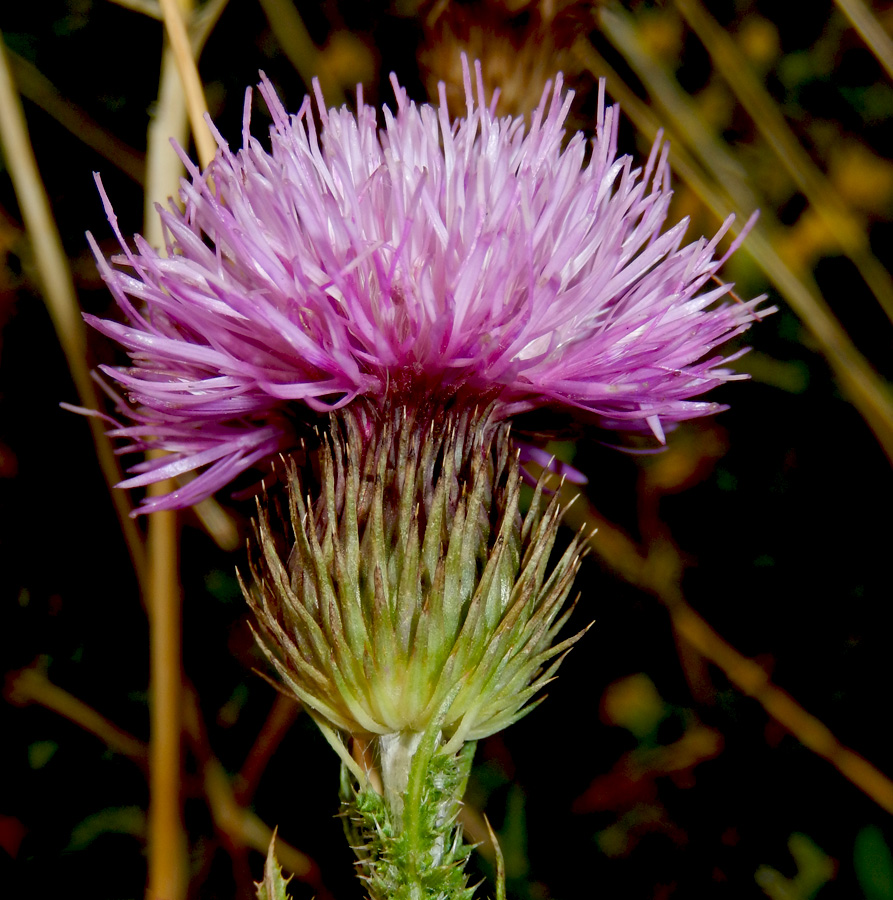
414,589
430,257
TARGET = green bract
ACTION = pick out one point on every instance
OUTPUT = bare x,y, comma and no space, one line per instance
413,587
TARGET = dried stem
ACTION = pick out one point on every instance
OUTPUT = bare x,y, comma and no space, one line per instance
280,719
247,829
150,8
751,679
40,90
867,391
291,32
839,220
167,840
167,844
180,95
163,166
241,826
163,173
32,686
190,80
872,32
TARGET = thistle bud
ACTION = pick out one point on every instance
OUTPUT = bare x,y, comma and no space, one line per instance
414,587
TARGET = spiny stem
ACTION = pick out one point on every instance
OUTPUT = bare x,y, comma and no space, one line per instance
414,852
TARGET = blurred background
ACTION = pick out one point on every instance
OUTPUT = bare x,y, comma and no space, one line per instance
708,737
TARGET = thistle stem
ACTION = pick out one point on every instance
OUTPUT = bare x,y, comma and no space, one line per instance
408,842
397,752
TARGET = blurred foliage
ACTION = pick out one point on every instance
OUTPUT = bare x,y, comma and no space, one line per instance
814,870
874,864
646,773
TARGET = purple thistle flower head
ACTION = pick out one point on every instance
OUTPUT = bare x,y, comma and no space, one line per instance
411,264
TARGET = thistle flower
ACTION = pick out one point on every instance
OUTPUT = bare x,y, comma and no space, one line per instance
408,265
422,284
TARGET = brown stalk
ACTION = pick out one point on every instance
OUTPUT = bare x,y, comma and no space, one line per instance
291,33
168,867
150,8
163,173
167,842
180,95
175,27
280,719
40,90
32,686
241,826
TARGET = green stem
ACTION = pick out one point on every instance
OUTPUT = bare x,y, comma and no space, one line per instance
408,842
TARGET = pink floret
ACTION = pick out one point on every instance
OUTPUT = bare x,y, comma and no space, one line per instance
424,258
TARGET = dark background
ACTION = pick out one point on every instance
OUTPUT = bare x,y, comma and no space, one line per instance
645,773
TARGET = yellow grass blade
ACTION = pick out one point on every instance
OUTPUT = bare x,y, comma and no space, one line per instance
842,225
713,173
872,32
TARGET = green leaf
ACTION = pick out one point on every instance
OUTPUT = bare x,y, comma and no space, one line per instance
873,862
113,820
273,886
40,753
500,862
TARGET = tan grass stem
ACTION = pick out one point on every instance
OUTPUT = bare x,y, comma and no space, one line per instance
720,189
150,8
31,685
240,825
163,173
281,717
677,111
193,90
167,843
872,32
34,85
180,100
168,869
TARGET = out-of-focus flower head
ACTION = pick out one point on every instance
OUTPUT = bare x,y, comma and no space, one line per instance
410,264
